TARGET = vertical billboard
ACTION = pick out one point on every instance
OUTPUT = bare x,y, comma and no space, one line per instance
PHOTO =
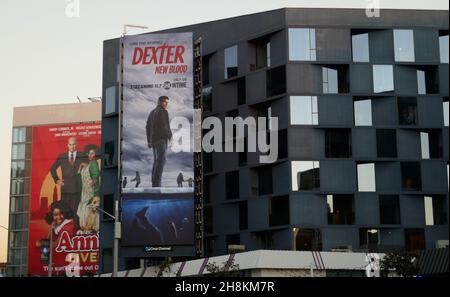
64,196
157,155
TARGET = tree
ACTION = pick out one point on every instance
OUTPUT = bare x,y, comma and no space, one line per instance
221,271
402,262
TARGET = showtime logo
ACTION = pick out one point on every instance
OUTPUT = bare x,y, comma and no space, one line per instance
84,243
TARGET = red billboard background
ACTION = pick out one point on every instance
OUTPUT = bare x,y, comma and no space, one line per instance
74,226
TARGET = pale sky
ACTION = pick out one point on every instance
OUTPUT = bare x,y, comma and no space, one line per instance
48,58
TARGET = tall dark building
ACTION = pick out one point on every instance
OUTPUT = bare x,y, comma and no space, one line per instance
362,107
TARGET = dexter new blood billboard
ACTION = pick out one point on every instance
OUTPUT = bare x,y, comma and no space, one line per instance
157,147
64,196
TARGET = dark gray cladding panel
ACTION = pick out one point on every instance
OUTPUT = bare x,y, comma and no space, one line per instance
365,139
335,110
304,78
426,46
333,45
367,204
335,17
388,177
443,79
434,176
379,41
384,111
408,144
430,109
361,78
306,143
338,176
412,210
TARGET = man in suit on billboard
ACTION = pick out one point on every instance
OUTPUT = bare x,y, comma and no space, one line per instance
69,163
158,137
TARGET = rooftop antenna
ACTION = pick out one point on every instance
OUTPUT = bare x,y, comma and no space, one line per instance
126,26
95,99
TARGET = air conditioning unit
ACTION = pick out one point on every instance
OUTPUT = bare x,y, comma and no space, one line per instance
440,244
236,248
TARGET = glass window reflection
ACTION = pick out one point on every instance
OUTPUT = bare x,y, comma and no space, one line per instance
363,112
360,47
443,48
366,177
304,110
302,44
383,78
404,45
305,175
231,61
110,100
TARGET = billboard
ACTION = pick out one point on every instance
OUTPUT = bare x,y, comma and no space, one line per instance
157,147
64,194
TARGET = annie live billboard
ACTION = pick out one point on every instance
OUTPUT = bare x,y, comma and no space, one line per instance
65,182
157,180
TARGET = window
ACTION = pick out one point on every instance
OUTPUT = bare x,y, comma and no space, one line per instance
205,69
435,210
243,155
232,185
265,184
279,211
18,239
110,154
243,215
18,221
232,239
260,57
305,175
308,239
231,62
340,209
386,143
338,143
241,91
302,44
427,80
407,111
110,100
366,177
208,217
207,162
17,187
207,99
304,110
445,111
335,79
19,134
17,169
19,204
404,45
363,112
443,46
383,78
369,238
415,239
360,47
18,151
276,81
108,206
431,144
421,85
389,210
282,144
411,176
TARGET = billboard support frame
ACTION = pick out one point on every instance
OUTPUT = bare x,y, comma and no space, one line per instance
198,157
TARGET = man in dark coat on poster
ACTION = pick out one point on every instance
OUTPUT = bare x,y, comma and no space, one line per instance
158,136
69,162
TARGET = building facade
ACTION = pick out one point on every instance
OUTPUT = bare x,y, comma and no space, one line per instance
362,108
24,120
